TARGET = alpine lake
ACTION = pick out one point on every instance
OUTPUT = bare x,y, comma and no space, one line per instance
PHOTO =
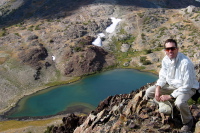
82,96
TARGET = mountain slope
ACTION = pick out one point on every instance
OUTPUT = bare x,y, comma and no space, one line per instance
14,11
36,31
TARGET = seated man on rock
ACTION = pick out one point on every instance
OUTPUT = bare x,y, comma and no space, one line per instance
177,80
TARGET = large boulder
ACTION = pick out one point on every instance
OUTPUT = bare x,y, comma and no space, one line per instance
125,47
197,129
70,122
88,60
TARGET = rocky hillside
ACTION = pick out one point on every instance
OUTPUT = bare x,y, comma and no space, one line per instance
48,42
14,11
126,113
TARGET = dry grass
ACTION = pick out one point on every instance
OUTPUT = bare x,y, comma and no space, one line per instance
2,60
14,124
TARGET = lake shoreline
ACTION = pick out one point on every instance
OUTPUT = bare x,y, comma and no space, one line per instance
15,104
60,114
4,114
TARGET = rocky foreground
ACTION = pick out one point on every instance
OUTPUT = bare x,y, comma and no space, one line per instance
126,113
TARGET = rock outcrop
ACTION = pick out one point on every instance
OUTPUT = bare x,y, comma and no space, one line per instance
88,60
33,56
70,122
197,68
130,113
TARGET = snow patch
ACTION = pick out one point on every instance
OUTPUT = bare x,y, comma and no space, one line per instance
53,57
109,29
98,42
112,27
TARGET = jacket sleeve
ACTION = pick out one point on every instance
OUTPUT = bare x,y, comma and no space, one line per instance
188,79
162,75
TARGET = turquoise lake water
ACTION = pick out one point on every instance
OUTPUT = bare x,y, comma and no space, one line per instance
82,96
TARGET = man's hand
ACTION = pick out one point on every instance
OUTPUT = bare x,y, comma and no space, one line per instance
157,93
165,97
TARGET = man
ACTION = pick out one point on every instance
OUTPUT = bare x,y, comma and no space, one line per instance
177,80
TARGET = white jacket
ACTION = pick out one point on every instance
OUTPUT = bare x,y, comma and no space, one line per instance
178,73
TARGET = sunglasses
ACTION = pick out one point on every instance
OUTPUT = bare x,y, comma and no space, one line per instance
170,48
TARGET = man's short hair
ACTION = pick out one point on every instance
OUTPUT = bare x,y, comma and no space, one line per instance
170,40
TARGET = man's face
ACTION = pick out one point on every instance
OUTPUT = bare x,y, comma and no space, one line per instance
171,50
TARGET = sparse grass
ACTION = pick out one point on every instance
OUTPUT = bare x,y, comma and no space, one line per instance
153,71
158,49
19,24
37,27
116,43
143,36
31,28
186,21
86,23
17,34
162,30
146,20
77,49
63,82
140,15
14,124
139,67
49,128
129,40
122,31
2,60
124,56
2,32
12,0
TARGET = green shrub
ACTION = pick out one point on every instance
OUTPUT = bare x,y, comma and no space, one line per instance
122,31
86,23
144,61
162,30
140,15
37,27
143,58
198,101
31,28
116,43
146,20
77,49
128,40
190,102
148,51
17,34
2,32
49,129
143,36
